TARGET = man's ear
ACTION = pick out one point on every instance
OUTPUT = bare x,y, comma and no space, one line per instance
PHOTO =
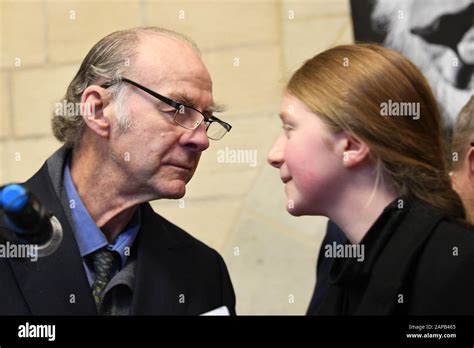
93,102
355,151
470,164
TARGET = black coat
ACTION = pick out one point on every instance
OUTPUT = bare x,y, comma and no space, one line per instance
169,263
418,261
323,267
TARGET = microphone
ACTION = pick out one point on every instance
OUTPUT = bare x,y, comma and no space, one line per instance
24,220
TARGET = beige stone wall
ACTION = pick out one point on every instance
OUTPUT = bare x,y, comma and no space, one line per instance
250,48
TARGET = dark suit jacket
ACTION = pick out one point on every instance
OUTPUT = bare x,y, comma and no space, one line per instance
421,254
169,263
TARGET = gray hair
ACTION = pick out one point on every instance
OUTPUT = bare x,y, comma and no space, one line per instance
107,60
463,133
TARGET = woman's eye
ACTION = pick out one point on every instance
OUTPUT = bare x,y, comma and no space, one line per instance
286,127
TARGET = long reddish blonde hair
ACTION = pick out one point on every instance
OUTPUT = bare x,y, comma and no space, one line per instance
347,85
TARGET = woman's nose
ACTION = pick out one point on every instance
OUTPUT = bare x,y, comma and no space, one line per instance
275,155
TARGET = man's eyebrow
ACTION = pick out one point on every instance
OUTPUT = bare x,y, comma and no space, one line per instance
215,107
183,98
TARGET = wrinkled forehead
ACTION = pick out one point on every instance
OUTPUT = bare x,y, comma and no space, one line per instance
167,64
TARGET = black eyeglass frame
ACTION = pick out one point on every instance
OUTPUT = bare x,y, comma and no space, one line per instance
174,104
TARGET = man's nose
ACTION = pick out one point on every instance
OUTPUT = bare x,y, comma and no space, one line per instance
196,140
275,155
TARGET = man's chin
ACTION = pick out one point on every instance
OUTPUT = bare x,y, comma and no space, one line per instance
174,192
179,195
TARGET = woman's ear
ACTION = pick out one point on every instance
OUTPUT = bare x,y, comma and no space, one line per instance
93,102
355,152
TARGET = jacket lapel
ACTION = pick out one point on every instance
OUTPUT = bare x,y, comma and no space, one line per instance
160,275
56,284
397,260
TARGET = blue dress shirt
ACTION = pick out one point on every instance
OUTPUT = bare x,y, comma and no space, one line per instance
89,237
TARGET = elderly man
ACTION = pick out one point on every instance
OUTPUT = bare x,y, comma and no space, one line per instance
462,175
146,115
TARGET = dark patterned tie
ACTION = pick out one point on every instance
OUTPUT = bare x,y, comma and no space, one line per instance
103,260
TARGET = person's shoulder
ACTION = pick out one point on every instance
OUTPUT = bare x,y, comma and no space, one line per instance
451,244
450,229
446,228
442,283
182,238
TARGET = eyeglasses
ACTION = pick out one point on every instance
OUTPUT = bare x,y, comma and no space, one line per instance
185,116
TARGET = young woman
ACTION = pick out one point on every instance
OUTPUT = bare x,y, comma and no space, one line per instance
362,144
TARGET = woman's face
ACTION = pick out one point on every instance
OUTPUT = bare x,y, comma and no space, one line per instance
307,155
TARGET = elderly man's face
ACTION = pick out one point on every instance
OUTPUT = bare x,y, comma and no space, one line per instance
155,155
463,183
